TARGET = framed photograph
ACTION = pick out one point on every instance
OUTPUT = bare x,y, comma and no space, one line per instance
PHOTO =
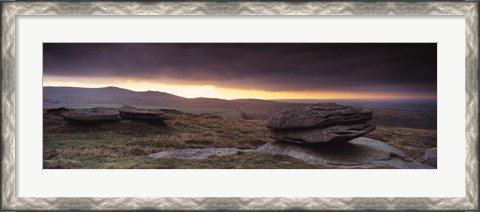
240,105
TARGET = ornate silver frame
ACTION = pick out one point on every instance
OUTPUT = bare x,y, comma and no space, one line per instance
10,10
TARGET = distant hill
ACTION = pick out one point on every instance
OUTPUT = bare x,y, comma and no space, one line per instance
256,101
72,96
54,97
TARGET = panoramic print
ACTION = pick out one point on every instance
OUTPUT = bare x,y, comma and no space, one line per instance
239,105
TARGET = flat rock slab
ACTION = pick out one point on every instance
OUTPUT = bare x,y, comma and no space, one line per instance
318,115
358,153
337,133
91,116
148,116
196,153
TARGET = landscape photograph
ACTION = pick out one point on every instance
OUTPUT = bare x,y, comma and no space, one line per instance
239,105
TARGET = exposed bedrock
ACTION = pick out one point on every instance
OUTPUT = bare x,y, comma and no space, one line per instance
196,153
358,153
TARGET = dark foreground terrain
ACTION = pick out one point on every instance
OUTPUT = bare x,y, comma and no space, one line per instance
126,144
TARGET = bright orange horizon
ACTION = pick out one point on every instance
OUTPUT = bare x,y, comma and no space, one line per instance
213,91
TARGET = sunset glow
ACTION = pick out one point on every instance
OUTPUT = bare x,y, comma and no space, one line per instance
212,91
248,70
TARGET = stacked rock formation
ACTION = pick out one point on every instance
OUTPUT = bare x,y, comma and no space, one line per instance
320,123
329,126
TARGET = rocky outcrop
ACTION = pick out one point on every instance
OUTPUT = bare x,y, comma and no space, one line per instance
430,157
196,153
150,117
329,135
107,115
320,123
358,153
318,115
337,133
91,116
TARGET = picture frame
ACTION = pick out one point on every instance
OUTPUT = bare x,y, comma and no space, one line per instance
11,10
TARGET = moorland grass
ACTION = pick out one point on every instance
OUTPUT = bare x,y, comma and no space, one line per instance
413,142
126,144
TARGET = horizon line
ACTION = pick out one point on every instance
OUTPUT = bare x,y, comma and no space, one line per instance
289,99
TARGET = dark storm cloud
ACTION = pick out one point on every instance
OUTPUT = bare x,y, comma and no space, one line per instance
269,66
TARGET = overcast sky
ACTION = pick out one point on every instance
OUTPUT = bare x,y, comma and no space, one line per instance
366,67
